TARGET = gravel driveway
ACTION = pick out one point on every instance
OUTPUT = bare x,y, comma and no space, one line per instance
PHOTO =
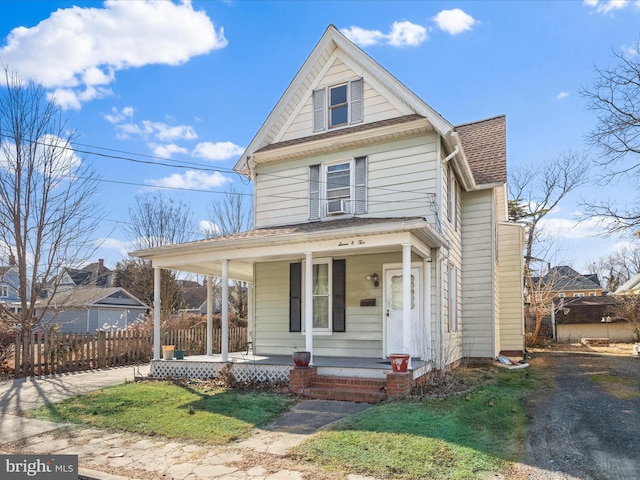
588,426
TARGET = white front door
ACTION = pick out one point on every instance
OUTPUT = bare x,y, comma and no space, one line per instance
394,308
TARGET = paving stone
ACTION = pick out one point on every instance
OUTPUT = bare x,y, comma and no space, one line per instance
285,475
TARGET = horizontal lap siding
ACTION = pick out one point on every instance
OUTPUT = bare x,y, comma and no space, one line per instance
282,195
511,301
477,296
363,337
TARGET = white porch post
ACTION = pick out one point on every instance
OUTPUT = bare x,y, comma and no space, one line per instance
209,315
251,317
156,313
225,310
406,299
308,303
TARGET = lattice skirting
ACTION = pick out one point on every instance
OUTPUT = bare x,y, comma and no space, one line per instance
243,372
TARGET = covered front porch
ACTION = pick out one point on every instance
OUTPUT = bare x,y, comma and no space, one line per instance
372,267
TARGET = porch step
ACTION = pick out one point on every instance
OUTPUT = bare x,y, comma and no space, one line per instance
349,389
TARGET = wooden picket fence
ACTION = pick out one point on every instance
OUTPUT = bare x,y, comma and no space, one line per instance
50,353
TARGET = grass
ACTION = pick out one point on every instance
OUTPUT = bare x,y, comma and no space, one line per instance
617,387
457,438
157,408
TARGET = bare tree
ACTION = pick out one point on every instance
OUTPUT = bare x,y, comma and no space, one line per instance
232,214
617,267
628,308
156,221
47,212
615,98
535,191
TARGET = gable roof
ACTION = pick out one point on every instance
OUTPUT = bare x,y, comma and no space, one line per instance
302,85
586,310
93,296
566,278
94,274
485,146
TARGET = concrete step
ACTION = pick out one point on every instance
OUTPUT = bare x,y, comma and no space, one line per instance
350,389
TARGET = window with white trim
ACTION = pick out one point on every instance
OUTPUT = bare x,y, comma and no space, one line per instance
578,294
338,105
561,295
338,188
4,291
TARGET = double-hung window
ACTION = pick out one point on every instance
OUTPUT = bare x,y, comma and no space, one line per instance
338,188
338,105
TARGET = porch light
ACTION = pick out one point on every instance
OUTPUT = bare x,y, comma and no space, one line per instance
373,278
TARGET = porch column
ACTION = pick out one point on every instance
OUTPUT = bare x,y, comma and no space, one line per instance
406,299
209,315
250,318
156,313
308,303
225,310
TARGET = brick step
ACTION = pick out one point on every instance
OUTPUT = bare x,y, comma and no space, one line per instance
345,394
350,389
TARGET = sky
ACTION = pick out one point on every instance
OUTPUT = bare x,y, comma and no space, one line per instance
165,96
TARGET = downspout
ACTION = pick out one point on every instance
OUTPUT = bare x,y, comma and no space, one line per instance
456,150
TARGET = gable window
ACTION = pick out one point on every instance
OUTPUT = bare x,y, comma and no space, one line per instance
338,188
338,105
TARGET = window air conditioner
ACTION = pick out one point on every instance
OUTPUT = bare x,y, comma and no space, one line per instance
337,207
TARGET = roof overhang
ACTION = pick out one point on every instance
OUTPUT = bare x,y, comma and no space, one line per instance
242,251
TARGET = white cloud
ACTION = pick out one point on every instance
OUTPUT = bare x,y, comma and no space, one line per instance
167,150
606,6
157,130
192,180
562,95
77,51
116,116
568,228
217,151
208,228
402,34
53,155
454,21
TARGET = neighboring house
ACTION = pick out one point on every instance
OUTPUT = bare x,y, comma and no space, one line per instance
9,284
380,227
631,286
588,317
89,309
564,282
93,275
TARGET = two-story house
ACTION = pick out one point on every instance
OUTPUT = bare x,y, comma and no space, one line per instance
380,227
9,286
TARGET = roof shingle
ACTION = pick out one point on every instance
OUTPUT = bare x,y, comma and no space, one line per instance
485,145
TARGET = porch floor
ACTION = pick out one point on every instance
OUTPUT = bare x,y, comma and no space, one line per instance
276,367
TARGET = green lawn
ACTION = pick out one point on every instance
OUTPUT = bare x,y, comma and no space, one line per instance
461,437
156,408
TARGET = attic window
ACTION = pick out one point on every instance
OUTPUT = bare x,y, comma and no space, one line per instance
338,105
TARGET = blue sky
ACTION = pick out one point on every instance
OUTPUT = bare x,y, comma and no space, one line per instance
189,84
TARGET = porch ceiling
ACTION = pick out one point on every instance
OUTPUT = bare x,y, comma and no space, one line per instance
354,236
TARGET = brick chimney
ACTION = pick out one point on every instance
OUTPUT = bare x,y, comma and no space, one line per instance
100,266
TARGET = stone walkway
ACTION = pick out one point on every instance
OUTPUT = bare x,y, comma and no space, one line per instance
117,456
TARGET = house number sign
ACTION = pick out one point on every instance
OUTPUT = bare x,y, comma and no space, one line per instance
351,243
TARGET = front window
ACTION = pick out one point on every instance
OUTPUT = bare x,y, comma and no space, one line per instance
338,188
321,296
338,106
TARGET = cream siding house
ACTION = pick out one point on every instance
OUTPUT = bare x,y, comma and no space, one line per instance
379,227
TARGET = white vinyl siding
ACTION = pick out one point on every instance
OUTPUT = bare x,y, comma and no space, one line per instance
401,181
477,276
510,237
299,123
364,325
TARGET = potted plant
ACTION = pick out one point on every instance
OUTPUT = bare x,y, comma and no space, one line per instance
167,352
301,359
399,362
179,354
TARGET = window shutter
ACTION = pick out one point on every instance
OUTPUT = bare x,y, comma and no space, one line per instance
319,109
339,293
357,101
314,192
361,186
295,297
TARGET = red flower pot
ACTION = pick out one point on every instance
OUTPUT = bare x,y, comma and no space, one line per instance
399,362
301,359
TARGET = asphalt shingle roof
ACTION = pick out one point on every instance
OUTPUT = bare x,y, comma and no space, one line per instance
485,145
